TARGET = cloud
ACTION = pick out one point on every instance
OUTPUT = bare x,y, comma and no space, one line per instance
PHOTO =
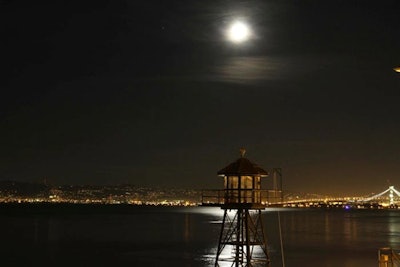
246,70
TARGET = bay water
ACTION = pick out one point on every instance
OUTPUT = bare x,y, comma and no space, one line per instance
124,235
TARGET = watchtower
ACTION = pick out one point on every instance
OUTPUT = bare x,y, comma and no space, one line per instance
242,240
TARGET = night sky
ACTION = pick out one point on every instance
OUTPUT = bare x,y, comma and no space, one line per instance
153,93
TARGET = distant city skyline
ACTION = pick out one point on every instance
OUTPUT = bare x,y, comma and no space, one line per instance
33,193
18,188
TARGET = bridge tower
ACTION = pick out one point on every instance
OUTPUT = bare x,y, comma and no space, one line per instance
242,239
391,196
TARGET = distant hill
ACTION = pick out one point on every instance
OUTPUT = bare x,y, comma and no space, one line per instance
23,188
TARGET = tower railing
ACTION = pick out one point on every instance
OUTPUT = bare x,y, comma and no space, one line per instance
237,196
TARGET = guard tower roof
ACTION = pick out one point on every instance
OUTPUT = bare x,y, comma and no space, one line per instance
242,166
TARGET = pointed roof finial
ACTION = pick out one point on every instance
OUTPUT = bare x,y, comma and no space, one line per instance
242,152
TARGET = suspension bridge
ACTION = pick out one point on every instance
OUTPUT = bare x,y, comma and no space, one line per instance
387,198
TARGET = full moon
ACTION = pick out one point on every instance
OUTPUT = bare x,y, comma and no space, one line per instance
238,32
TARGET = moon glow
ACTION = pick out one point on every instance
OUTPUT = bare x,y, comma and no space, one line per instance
238,32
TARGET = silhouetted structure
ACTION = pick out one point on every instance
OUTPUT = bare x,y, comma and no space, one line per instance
242,240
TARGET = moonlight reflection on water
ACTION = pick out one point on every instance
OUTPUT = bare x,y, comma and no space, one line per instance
175,236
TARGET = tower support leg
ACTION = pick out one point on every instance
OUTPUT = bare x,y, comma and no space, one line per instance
242,240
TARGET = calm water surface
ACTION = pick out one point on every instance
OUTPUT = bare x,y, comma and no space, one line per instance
171,236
